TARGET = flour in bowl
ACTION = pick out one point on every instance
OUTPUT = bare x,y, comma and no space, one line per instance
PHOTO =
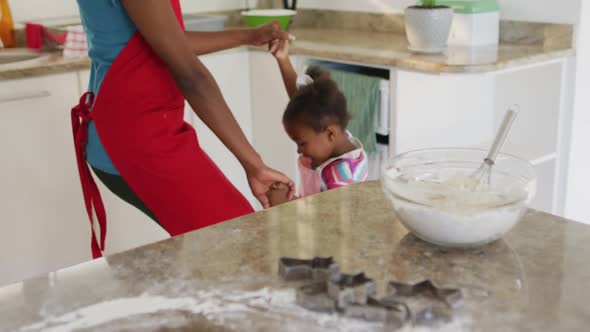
451,213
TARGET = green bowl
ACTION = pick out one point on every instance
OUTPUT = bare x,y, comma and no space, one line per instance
257,17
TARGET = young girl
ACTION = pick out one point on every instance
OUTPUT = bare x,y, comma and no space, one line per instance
316,119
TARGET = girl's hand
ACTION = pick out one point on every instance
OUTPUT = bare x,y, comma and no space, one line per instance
279,48
262,179
279,194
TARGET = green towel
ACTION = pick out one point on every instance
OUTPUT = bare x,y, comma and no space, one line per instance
363,98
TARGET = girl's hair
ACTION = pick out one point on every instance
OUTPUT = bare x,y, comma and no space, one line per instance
318,104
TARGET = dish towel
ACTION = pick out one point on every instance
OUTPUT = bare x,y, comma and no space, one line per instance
362,94
76,45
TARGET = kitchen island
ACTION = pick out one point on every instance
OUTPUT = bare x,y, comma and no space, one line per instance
225,277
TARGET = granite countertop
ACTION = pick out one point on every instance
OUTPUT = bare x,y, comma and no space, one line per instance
386,49
391,50
54,64
224,277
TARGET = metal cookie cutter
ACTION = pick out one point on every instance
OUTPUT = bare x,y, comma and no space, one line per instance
389,311
426,302
452,297
319,269
348,289
314,297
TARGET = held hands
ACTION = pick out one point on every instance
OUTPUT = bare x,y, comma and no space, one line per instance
279,48
279,194
263,179
268,33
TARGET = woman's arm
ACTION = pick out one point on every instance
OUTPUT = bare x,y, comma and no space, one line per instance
209,42
156,21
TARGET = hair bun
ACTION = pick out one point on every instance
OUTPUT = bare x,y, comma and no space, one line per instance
317,73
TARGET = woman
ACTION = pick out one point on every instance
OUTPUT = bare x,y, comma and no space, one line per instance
129,127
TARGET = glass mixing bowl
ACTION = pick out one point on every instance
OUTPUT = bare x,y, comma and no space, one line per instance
431,193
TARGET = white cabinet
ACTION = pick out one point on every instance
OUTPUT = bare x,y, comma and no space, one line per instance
269,99
45,226
83,79
537,90
543,200
231,71
439,110
538,130
465,110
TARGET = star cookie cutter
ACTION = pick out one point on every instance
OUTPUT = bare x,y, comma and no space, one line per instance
318,269
348,289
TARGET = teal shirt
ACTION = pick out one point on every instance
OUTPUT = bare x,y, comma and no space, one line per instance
108,29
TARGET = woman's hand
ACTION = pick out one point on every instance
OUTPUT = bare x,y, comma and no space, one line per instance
262,179
267,33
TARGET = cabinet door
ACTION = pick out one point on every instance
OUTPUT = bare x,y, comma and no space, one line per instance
534,134
537,91
440,110
269,99
543,200
231,72
83,80
45,226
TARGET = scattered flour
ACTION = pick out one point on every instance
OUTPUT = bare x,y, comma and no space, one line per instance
227,307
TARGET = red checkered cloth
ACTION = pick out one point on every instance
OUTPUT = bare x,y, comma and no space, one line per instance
76,45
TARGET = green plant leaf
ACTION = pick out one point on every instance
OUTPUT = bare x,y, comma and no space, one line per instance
428,3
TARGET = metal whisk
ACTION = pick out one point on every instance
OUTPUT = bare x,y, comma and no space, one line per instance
482,176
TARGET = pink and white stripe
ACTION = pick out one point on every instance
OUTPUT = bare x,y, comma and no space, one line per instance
345,171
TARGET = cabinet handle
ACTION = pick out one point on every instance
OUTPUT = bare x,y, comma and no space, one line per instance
24,95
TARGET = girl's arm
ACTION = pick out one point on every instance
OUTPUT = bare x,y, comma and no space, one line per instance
280,50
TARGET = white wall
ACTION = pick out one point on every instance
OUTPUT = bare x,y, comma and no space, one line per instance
561,11
24,10
578,194
213,5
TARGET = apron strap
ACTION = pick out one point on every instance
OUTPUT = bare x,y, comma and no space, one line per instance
80,117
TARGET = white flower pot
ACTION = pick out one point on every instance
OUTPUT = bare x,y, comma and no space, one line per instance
427,29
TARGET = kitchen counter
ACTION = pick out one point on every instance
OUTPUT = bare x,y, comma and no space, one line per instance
385,49
391,50
54,64
224,277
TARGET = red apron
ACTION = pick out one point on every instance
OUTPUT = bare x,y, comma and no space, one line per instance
139,119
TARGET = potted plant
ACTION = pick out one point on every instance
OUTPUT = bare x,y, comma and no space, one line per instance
428,26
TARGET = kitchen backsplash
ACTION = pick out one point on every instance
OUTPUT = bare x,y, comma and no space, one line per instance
562,11
26,10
